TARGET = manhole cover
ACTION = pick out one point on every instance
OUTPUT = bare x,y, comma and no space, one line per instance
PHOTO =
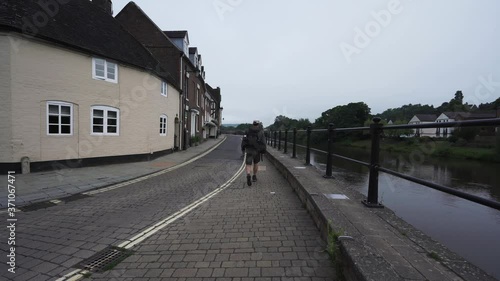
37,206
105,259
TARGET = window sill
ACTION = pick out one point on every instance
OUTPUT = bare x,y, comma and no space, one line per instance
106,80
98,134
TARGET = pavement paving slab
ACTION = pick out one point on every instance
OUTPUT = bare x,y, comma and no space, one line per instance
260,232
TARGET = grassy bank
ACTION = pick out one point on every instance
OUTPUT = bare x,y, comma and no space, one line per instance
443,149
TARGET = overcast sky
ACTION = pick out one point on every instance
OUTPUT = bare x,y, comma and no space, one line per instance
300,58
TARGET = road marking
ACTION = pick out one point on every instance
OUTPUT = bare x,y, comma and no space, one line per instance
182,212
71,275
122,184
148,232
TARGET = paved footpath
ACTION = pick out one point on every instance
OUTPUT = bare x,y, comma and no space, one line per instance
243,233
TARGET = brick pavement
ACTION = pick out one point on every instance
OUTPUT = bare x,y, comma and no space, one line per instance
244,233
51,241
47,185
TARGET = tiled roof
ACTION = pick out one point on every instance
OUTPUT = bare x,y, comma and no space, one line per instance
215,93
426,117
453,115
176,33
79,25
471,115
480,115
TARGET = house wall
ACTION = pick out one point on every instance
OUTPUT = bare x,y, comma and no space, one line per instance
445,132
423,132
42,72
428,132
5,97
193,82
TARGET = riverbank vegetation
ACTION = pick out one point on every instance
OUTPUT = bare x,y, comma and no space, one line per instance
432,147
464,143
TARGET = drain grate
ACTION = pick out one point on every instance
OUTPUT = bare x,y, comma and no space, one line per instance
74,197
37,206
105,259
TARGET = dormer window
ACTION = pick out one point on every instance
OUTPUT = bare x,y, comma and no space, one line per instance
164,88
186,47
104,70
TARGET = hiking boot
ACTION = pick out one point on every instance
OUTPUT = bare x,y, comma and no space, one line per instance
254,178
249,180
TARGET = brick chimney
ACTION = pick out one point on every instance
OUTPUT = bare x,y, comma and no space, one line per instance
106,5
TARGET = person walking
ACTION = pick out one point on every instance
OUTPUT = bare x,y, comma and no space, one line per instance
254,144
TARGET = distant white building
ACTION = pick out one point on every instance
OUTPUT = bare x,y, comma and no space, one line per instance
423,119
458,116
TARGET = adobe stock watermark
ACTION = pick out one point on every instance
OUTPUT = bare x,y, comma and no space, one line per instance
225,6
11,222
363,37
484,91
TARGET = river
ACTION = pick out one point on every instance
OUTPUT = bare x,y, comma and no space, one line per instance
465,227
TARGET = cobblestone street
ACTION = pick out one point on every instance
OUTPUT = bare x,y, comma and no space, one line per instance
256,232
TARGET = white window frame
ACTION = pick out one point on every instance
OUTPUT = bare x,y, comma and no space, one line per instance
198,95
59,104
196,122
164,89
106,110
164,122
186,47
105,77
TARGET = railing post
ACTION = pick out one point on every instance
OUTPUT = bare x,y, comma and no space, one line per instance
294,148
285,150
308,146
375,131
275,133
330,152
279,140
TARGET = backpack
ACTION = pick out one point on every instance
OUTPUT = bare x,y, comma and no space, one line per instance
252,139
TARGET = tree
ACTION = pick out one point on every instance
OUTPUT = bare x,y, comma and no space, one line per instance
490,105
455,104
406,112
282,122
344,116
243,127
396,133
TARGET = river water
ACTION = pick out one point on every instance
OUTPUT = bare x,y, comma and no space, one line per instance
467,228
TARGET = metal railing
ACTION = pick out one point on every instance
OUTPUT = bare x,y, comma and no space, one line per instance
374,166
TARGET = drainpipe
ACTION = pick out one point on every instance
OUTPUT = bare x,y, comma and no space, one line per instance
182,106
